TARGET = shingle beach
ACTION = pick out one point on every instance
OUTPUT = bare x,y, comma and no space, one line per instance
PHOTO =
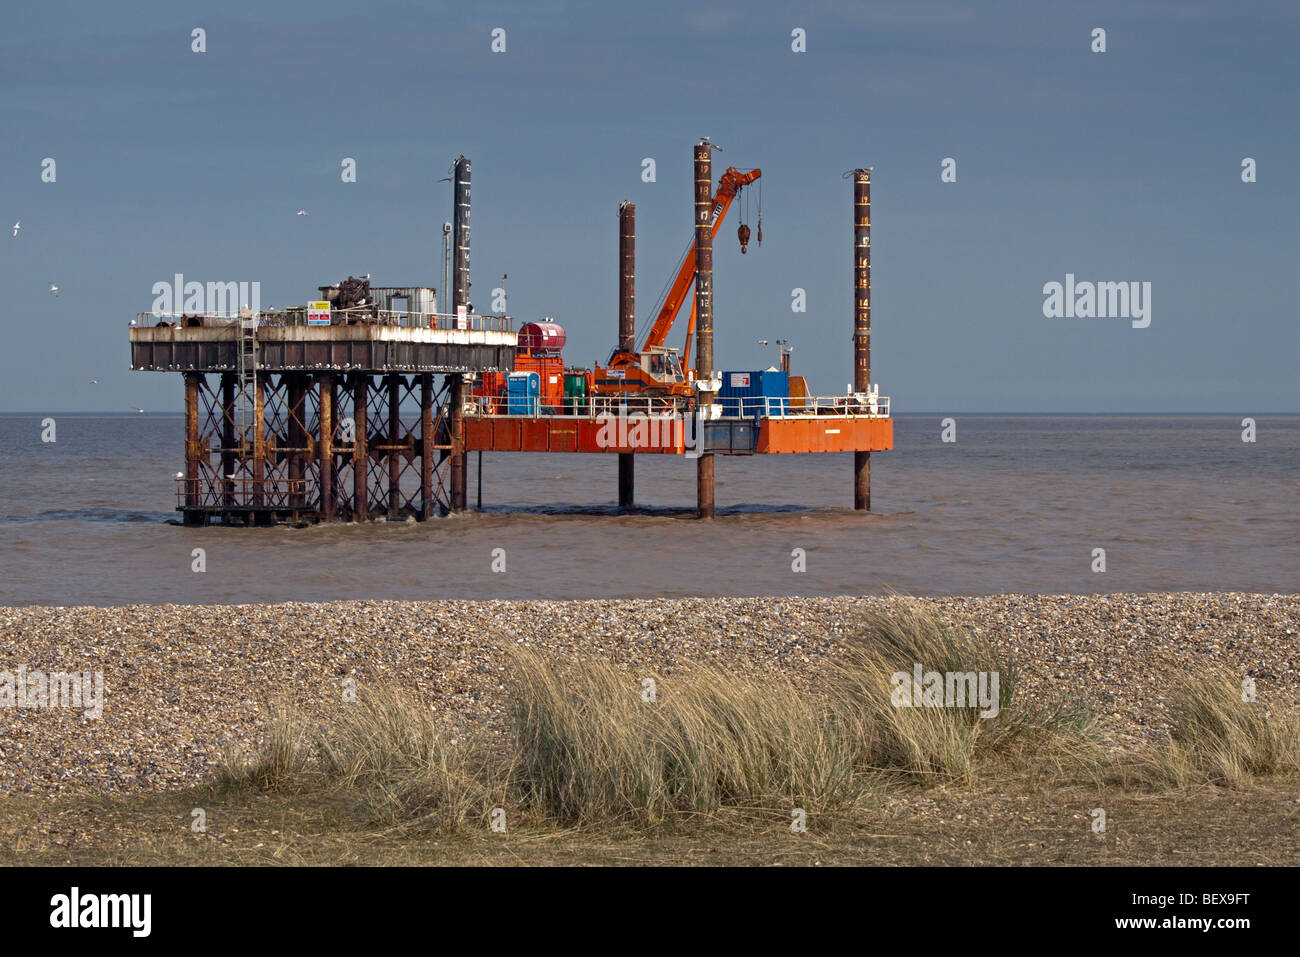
184,683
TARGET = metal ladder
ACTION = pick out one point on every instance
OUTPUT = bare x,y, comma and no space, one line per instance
247,380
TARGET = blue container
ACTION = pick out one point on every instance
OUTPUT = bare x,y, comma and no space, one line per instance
523,393
754,394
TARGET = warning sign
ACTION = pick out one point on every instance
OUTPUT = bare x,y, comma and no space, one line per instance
318,313
740,380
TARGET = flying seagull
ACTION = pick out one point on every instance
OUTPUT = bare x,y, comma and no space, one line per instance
54,289
94,382
17,226
303,212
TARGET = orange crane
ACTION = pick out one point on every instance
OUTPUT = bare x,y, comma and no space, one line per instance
654,367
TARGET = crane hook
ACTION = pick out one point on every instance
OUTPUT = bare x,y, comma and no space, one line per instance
743,234
760,231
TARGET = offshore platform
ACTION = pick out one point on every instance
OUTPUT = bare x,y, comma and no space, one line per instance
365,403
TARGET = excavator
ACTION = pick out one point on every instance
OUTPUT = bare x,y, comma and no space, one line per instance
655,369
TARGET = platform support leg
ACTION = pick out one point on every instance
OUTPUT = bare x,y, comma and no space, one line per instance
862,481
626,479
459,463
360,449
192,477
297,387
326,445
229,453
427,441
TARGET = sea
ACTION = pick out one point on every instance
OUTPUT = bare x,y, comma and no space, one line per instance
1015,503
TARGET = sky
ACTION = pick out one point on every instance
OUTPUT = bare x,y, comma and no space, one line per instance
1115,166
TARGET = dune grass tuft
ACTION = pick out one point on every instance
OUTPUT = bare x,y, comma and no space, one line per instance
1219,738
591,743
591,746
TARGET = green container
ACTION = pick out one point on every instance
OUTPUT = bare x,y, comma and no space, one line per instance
575,392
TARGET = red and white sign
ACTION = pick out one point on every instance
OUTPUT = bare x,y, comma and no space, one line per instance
740,380
318,313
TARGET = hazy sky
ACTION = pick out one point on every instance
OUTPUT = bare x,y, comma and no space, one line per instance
1115,166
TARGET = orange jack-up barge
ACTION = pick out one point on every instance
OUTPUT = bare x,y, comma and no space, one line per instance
642,402
365,404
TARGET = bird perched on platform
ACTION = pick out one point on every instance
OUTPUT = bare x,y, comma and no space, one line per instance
17,226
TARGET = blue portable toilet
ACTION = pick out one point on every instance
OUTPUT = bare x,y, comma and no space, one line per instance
523,393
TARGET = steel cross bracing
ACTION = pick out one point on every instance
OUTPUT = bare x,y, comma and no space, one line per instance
256,452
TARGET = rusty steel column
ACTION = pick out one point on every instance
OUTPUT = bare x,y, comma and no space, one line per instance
227,439
360,450
458,465
862,321
704,315
326,444
459,462
192,495
297,387
626,330
394,439
427,442
259,439
460,235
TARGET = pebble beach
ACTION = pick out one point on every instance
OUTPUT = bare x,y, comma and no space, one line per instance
186,684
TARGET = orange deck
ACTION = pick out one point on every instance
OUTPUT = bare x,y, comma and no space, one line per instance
834,434
509,433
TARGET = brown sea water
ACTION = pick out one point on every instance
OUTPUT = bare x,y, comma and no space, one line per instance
1016,504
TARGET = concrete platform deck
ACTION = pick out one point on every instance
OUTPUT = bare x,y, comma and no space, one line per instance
355,348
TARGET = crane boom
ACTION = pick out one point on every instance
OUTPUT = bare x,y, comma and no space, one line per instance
731,183
653,369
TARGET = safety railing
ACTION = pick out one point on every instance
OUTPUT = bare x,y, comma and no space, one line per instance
748,407
782,407
361,315
577,407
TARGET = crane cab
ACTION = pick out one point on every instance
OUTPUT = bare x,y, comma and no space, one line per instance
656,369
662,365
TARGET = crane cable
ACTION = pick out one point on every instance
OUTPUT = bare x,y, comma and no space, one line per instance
647,323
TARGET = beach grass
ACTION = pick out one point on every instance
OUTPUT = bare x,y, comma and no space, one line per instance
592,744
